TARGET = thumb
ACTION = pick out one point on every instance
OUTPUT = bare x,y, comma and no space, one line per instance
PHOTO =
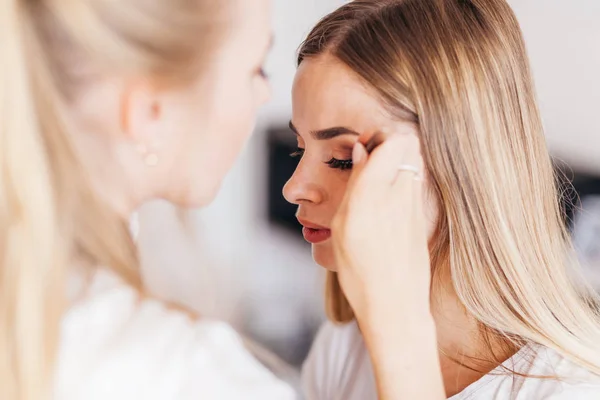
359,161
359,156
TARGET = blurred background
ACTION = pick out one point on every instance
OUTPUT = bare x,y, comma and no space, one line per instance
244,259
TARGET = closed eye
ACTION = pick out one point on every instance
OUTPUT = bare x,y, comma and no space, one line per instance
340,164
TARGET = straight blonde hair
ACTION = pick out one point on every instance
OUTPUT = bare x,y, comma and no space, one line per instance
49,214
459,69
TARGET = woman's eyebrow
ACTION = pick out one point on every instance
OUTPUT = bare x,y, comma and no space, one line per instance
327,133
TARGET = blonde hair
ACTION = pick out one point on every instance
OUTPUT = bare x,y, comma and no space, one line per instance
49,213
459,69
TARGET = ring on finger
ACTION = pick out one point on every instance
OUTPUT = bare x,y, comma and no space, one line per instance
410,168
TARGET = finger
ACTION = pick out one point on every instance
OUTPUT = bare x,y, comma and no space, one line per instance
374,141
406,178
359,156
418,217
371,139
382,166
366,143
359,160
409,189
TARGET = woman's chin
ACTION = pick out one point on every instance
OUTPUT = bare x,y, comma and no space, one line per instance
328,267
331,268
324,257
195,196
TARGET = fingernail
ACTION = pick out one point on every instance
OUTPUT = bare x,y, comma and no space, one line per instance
358,153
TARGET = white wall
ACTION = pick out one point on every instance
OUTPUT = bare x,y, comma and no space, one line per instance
563,39
266,282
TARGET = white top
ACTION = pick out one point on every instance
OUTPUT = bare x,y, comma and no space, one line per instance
116,346
339,368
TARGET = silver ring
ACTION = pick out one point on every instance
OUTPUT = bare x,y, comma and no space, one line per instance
410,168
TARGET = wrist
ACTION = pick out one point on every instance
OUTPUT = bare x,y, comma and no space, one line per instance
405,358
398,325
384,321
382,306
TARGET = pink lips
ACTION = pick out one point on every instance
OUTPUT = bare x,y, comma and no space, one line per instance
314,233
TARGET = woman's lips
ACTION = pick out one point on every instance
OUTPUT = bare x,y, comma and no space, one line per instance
315,236
314,233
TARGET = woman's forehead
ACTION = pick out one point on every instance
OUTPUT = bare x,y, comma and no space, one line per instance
327,93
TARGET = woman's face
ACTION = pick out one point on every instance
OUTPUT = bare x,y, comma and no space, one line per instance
210,122
146,141
331,107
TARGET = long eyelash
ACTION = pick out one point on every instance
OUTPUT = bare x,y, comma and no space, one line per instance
298,153
263,73
340,164
333,163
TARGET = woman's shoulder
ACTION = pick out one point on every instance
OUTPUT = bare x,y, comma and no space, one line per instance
542,373
334,346
116,345
573,380
338,339
338,363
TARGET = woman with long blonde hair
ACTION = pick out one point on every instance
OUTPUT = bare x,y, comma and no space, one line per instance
103,105
478,297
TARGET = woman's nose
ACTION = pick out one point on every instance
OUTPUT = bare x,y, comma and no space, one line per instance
299,189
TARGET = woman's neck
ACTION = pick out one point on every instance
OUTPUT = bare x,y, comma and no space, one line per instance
465,353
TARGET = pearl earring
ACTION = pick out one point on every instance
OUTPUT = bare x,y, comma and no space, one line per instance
150,158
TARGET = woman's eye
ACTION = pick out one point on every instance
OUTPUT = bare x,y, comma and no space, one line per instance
340,164
262,73
298,153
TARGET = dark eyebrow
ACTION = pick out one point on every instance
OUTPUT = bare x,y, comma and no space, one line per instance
328,133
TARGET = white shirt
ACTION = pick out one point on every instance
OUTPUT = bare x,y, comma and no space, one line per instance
116,346
339,368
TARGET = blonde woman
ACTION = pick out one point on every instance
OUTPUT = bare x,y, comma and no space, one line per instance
475,296
105,104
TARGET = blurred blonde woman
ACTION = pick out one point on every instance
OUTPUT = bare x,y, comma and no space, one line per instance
103,105
479,296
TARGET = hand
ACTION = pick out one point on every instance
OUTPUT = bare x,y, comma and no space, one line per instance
380,242
379,233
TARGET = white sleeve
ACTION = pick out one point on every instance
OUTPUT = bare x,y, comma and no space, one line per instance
119,347
577,392
218,366
321,373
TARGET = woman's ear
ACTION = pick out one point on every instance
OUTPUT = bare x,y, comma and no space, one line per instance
140,113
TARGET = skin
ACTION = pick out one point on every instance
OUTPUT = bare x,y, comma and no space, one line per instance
327,94
195,131
372,225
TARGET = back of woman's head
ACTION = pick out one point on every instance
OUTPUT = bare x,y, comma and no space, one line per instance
459,69
51,50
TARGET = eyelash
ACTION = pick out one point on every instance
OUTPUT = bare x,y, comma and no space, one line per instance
262,73
334,163
343,165
298,153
